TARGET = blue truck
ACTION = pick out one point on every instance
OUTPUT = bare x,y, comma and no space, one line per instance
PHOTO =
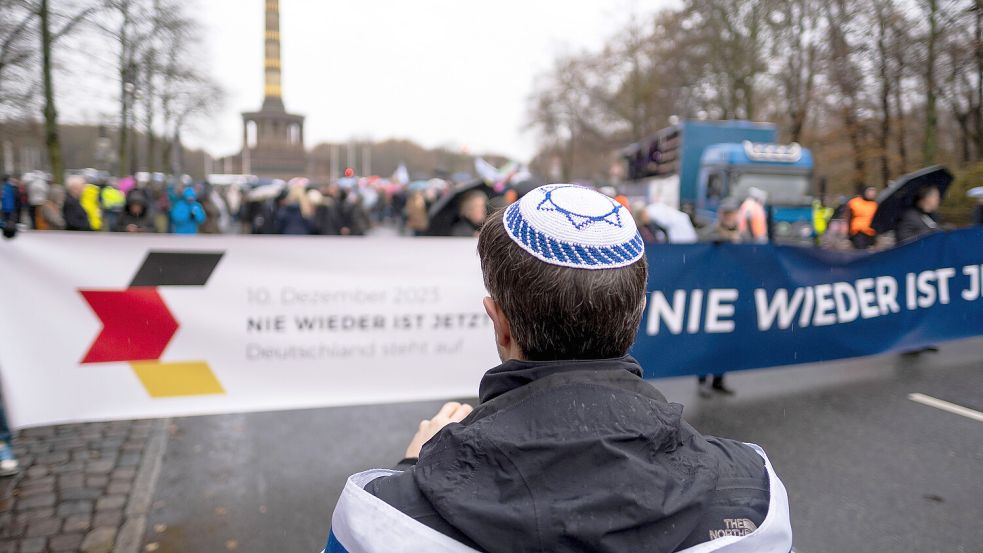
696,165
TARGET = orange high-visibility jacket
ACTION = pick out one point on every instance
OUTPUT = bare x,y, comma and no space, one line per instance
861,215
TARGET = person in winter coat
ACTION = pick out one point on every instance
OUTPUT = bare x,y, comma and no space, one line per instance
74,214
37,195
471,215
860,211
10,206
187,214
417,219
327,213
136,217
919,220
93,208
651,232
296,214
753,216
726,229
568,449
50,215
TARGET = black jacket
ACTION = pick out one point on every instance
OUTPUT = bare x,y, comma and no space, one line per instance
913,224
577,456
75,216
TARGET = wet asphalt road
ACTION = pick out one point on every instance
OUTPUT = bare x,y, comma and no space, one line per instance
867,469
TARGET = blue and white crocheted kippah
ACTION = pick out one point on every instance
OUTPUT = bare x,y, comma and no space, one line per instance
574,226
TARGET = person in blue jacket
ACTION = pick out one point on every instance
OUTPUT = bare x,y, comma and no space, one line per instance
569,449
187,214
9,206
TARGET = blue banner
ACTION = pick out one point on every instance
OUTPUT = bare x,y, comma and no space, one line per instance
723,307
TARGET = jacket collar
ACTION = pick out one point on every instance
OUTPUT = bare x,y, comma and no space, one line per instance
513,374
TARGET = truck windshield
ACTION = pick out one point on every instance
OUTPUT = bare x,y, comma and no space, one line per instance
781,189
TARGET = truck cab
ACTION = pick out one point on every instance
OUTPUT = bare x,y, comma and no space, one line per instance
695,165
729,171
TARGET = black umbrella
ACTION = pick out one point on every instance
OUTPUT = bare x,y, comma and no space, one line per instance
446,211
526,186
892,202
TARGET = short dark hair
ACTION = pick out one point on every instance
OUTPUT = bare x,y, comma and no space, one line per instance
924,191
561,312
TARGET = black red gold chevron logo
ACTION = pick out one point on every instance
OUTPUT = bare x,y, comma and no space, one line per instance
138,325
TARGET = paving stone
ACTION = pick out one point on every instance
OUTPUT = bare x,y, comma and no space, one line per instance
117,429
119,487
13,529
81,493
124,473
43,528
35,501
54,458
73,466
36,487
99,540
82,455
39,448
77,523
72,442
36,471
33,545
65,542
110,502
8,546
35,514
102,466
67,481
108,455
38,432
108,518
79,507
98,481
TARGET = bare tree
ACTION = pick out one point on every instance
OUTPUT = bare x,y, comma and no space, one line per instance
930,143
731,35
796,46
847,78
18,54
49,34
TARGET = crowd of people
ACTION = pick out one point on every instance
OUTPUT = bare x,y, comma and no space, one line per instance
344,207
352,206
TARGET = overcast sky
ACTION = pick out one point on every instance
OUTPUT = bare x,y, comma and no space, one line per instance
441,72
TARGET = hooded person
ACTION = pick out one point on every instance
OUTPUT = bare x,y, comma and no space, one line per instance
187,214
136,217
568,449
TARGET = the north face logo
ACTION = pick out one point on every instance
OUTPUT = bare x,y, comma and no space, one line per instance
734,527
138,326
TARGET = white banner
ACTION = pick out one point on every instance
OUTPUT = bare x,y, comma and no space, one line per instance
113,326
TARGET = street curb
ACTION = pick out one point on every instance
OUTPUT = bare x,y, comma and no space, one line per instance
130,537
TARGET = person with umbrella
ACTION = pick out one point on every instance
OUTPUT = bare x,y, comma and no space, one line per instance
908,206
447,216
473,212
919,219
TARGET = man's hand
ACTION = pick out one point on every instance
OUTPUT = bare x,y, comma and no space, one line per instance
450,412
